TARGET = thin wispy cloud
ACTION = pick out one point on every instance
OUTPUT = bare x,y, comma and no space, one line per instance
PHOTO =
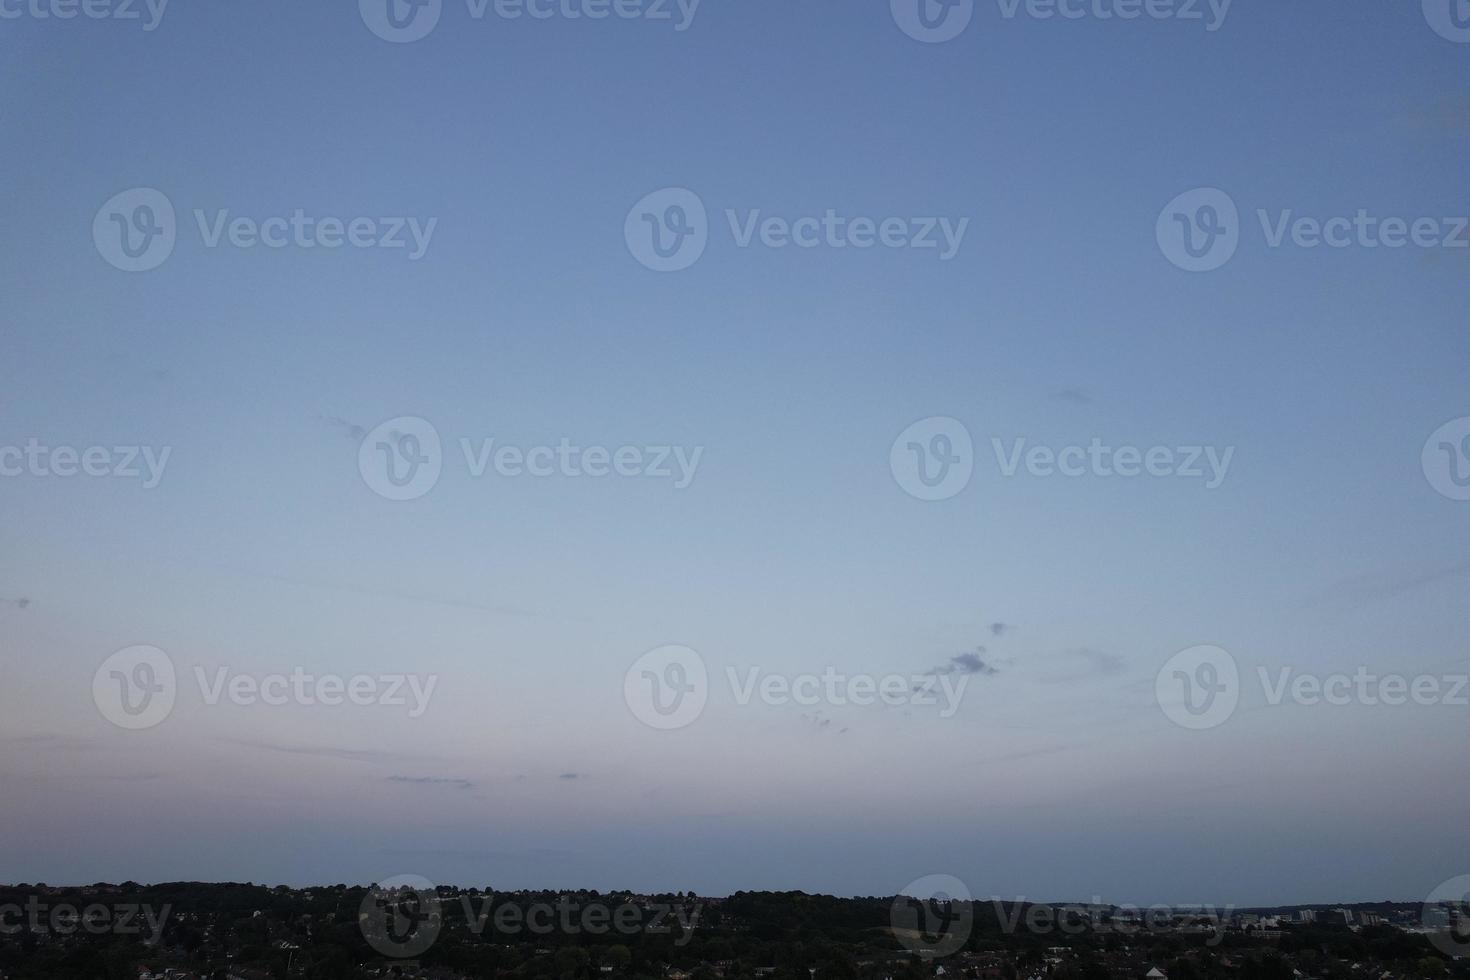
1375,587
319,751
351,430
1449,115
1073,396
433,781
1084,663
501,609
70,743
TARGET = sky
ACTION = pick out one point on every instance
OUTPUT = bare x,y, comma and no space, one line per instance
787,412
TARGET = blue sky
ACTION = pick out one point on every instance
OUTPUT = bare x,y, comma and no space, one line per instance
795,549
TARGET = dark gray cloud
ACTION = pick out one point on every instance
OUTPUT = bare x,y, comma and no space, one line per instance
572,775
1000,629
20,603
966,663
817,720
1073,396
